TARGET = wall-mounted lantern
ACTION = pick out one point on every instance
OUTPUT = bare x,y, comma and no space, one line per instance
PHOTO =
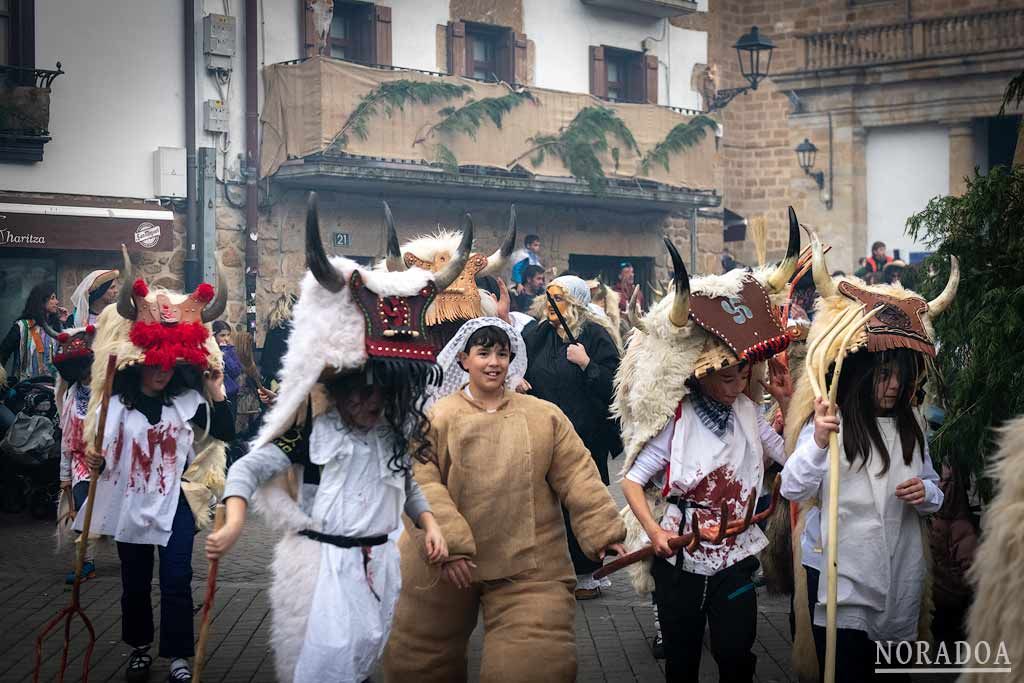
806,152
754,52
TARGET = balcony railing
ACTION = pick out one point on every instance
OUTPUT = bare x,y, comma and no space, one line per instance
954,36
25,112
12,76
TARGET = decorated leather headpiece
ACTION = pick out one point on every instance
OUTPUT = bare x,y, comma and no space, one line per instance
459,300
170,327
395,325
75,344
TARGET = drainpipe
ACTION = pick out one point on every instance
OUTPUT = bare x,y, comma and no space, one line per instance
192,275
252,164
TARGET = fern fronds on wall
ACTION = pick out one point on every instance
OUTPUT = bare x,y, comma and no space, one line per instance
394,95
681,137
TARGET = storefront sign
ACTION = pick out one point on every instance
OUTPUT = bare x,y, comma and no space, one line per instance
31,223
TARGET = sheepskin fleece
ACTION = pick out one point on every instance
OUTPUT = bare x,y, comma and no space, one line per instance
328,333
659,358
997,613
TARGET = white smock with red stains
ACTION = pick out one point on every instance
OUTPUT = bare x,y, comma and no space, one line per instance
707,470
137,493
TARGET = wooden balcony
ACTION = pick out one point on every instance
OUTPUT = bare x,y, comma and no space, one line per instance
25,112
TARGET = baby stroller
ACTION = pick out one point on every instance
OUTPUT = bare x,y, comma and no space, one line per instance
30,450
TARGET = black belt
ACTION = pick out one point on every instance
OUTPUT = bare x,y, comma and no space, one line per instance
681,502
344,541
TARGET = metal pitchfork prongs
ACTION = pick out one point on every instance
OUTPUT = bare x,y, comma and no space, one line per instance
75,607
692,539
842,329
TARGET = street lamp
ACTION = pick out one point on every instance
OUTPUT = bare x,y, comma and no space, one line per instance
754,52
806,151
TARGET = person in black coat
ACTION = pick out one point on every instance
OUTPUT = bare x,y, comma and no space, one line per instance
578,378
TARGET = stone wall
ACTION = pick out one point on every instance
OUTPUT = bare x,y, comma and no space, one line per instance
759,173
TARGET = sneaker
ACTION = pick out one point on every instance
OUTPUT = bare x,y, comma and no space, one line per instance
180,673
588,593
139,663
88,572
658,647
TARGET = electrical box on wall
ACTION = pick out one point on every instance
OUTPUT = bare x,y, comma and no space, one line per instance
219,41
169,172
215,116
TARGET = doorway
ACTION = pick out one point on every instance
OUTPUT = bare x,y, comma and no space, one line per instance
590,266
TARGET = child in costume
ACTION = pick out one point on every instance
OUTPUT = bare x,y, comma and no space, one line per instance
887,483
506,464
74,363
707,452
346,420
162,461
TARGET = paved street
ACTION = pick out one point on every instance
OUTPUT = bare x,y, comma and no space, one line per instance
612,633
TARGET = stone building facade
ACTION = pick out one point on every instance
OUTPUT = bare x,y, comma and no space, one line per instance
874,67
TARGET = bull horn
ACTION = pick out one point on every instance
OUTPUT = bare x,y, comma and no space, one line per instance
496,262
125,303
215,308
316,258
394,261
679,315
454,268
940,303
50,332
784,271
633,310
819,268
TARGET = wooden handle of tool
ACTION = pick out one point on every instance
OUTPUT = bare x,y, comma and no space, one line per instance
219,517
832,559
94,473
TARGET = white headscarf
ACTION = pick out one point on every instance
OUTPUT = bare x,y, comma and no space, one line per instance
575,287
80,298
448,360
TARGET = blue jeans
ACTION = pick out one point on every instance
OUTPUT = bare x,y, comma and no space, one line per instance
177,636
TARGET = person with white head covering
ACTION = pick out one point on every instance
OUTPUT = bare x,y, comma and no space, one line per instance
94,293
455,375
572,362
504,464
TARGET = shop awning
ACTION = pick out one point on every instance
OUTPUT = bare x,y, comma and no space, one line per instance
73,224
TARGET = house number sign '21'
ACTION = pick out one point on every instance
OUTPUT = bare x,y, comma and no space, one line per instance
737,309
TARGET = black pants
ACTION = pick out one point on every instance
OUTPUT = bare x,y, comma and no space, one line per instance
177,638
855,652
686,602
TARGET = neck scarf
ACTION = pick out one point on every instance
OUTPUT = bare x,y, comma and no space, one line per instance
714,415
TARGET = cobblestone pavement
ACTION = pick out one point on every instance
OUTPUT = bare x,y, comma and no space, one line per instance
612,633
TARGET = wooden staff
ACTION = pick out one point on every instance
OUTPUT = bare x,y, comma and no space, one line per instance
211,590
83,541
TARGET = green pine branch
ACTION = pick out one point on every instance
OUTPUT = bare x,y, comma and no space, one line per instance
446,158
578,144
468,118
979,378
1014,93
681,137
393,95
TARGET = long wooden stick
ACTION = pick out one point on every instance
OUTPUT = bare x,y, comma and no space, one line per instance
83,541
211,591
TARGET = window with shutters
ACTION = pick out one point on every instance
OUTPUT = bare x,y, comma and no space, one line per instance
488,53
619,75
359,32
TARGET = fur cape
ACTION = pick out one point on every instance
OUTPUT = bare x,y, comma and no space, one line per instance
997,614
659,358
203,481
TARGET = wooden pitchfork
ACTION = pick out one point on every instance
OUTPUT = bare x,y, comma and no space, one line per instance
842,329
69,612
693,538
211,591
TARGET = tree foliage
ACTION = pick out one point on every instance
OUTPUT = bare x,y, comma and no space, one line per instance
980,364
394,95
681,137
578,144
467,119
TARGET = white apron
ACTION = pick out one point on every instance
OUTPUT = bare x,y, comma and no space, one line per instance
137,493
353,604
708,470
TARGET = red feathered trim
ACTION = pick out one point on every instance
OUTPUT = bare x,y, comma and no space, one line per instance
204,292
140,288
63,337
71,355
165,345
90,329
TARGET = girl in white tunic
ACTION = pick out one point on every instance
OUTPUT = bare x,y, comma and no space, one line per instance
886,485
365,483
152,421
